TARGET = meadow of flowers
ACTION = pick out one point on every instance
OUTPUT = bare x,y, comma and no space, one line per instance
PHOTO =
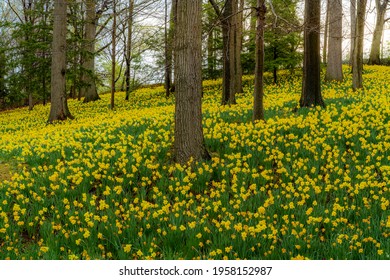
306,184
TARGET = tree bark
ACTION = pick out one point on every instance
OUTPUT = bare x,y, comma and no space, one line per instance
357,62
381,7
226,80
129,49
59,105
352,10
334,71
189,140
258,107
89,60
311,90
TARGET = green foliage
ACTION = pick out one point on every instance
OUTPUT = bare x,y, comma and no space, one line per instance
28,55
212,48
282,38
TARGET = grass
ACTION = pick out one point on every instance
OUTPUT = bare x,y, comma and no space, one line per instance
311,184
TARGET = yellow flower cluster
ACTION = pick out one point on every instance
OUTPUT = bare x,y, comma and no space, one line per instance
307,185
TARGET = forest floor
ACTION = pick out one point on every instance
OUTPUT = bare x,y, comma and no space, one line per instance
305,184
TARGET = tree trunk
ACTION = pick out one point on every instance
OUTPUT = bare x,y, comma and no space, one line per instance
334,71
211,59
326,34
189,140
226,79
168,55
239,38
3,73
210,55
172,27
227,20
129,49
231,8
352,11
357,62
381,7
113,57
59,106
275,68
258,107
89,60
30,101
311,90
44,89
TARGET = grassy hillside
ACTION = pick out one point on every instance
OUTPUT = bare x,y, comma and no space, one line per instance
311,184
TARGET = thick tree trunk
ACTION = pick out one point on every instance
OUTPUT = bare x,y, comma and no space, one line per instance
258,107
89,60
357,62
129,49
352,10
311,90
189,140
334,71
381,7
59,106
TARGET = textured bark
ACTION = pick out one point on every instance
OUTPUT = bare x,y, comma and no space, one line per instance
381,7
334,71
352,10
189,140
357,61
258,107
129,49
311,90
59,106
90,92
